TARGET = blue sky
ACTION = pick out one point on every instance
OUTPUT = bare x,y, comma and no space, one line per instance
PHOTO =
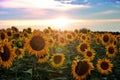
100,13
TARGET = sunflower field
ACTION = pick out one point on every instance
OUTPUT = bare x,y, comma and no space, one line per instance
51,54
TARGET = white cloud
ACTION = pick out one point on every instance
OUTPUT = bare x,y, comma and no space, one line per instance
45,4
107,12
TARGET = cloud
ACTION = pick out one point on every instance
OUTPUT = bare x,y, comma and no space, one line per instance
43,4
106,12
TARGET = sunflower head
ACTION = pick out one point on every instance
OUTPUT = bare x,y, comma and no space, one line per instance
106,38
14,29
57,60
6,55
62,41
19,52
69,36
37,44
9,33
3,35
104,66
81,68
51,41
111,50
89,54
82,47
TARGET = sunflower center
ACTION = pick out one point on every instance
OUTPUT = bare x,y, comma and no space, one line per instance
89,53
6,54
37,43
104,65
82,68
111,50
83,37
106,38
57,59
9,33
83,47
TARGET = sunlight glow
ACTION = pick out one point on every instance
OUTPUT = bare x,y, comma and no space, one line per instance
61,22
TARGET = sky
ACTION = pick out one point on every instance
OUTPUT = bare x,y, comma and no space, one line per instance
96,15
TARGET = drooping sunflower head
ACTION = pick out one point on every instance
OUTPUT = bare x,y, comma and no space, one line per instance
57,60
89,54
37,44
106,38
111,50
81,68
82,47
104,66
6,55
43,58
14,29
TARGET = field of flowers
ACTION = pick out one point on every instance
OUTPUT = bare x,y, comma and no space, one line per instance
59,55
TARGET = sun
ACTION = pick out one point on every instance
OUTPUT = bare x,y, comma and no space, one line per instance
58,22
61,21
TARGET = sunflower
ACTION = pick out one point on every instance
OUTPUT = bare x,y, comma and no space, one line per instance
7,55
37,44
97,38
81,68
43,58
118,38
111,50
69,36
19,52
84,37
89,54
47,31
56,36
106,38
51,41
82,47
16,35
57,60
14,29
3,35
104,66
62,41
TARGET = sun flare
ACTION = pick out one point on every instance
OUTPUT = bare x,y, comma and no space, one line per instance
59,21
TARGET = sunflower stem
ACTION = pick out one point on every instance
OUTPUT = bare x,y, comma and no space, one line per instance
33,68
16,70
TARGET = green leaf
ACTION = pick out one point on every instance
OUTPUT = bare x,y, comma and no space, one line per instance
28,71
